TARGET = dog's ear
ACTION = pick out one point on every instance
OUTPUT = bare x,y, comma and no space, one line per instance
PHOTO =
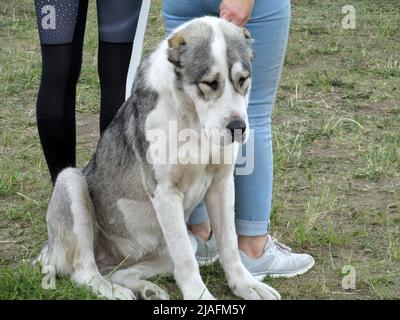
250,41
176,45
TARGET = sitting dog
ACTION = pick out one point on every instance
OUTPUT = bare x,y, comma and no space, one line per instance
122,220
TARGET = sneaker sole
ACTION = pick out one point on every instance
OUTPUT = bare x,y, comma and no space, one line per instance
207,262
299,272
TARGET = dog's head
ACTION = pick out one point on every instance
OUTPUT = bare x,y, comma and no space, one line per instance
212,61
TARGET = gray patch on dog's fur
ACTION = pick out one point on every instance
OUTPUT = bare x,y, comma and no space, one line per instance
195,57
120,159
240,49
144,100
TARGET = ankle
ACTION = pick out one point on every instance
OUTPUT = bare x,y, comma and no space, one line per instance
202,230
252,246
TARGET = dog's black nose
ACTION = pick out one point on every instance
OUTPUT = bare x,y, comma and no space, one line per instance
236,127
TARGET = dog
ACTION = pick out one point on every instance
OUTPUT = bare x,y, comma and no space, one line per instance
122,219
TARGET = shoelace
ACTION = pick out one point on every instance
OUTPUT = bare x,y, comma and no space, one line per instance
282,247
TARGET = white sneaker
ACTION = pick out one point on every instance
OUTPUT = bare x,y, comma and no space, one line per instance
206,251
277,260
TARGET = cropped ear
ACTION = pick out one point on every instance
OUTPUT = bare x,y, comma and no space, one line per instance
176,45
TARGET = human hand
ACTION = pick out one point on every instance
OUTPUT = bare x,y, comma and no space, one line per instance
236,11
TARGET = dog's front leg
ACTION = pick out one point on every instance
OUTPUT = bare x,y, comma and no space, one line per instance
220,202
168,204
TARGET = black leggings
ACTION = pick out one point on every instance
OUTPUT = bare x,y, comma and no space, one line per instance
61,25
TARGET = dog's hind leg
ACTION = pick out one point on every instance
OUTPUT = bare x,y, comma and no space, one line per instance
134,277
71,230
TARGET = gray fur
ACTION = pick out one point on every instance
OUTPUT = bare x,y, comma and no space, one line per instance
239,49
121,156
192,58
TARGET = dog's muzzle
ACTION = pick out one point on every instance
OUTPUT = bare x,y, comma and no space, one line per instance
237,128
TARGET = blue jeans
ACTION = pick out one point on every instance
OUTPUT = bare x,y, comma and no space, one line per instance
269,26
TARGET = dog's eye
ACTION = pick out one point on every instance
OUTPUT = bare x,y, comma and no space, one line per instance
212,84
242,80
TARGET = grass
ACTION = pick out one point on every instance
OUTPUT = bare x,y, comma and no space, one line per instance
336,135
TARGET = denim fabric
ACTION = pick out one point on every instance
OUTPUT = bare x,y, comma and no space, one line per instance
269,26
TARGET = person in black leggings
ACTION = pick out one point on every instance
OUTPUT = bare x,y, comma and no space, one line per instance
61,25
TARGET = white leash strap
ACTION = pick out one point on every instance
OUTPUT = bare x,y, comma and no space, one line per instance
137,47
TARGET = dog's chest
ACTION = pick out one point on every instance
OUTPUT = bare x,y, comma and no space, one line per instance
195,183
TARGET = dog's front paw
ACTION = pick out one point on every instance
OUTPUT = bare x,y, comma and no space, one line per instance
254,290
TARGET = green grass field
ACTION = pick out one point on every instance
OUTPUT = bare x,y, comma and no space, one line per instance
336,135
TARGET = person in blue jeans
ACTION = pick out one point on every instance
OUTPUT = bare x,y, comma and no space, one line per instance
268,23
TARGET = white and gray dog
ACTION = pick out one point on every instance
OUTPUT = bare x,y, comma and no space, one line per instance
121,220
